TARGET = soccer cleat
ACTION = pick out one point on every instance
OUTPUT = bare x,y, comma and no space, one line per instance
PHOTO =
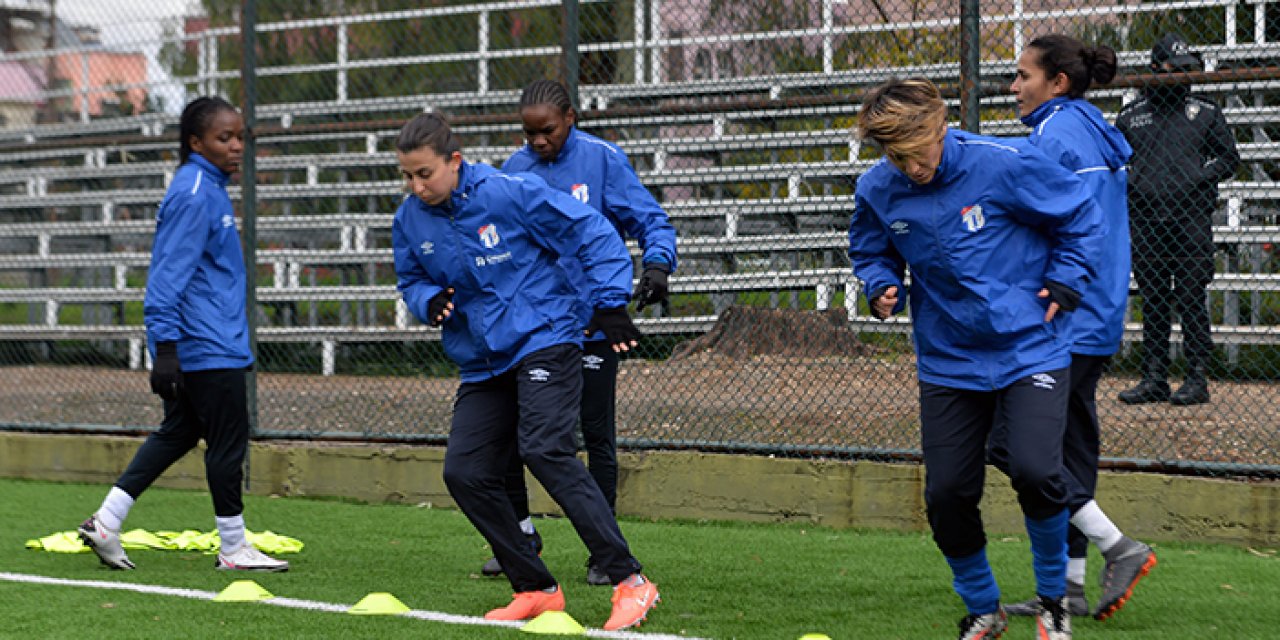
528,605
986,626
1127,562
1053,622
596,576
248,558
105,543
631,603
1077,603
494,568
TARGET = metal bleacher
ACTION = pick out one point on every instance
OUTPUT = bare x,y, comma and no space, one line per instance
755,172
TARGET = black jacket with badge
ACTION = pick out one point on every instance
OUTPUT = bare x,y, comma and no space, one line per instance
1182,149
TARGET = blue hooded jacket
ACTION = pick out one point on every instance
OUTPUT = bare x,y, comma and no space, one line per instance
497,241
599,174
1074,133
997,221
196,284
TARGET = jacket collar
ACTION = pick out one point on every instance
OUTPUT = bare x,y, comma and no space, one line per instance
1042,112
950,163
218,175
570,143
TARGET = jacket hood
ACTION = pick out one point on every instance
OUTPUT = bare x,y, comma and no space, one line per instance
1110,142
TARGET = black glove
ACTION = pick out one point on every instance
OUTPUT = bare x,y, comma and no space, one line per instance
438,305
166,372
616,325
1066,297
652,287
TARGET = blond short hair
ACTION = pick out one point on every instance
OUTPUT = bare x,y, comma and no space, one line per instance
903,116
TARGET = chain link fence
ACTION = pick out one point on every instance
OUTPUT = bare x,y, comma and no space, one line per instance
737,115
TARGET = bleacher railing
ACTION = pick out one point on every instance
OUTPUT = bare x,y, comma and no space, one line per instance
737,115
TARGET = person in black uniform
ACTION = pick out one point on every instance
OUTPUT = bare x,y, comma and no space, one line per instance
1182,149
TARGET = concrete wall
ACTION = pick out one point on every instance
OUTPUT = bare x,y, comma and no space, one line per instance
686,485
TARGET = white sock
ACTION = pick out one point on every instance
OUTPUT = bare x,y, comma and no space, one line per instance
1075,570
526,526
1096,526
231,530
115,508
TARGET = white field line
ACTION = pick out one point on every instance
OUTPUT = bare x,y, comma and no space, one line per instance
313,605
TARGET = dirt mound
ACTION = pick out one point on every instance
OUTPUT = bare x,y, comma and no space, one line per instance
744,332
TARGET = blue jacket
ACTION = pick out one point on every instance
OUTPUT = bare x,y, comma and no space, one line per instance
599,174
196,283
998,220
1074,133
497,242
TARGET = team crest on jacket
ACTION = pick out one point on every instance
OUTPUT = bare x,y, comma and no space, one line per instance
973,218
579,191
489,236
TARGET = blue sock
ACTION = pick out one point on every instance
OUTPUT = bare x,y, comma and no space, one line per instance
1049,554
975,584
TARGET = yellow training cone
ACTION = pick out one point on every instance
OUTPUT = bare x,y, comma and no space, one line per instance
814,636
554,623
378,604
243,591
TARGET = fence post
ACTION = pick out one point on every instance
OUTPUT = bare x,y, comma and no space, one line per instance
569,51
248,199
970,89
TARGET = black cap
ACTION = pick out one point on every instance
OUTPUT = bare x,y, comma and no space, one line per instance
1172,49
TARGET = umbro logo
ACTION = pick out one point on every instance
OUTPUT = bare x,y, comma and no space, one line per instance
1043,381
427,248
539,375
592,362
228,221
900,228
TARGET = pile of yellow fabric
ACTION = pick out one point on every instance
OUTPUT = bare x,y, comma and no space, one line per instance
189,540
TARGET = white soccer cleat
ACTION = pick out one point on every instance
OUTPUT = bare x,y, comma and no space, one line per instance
105,543
248,558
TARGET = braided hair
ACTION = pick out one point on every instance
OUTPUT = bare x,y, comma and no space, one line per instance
195,121
546,92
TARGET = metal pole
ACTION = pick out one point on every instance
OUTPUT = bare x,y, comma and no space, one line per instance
249,201
570,54
970,89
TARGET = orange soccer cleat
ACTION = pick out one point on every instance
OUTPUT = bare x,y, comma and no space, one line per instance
632,602
527,605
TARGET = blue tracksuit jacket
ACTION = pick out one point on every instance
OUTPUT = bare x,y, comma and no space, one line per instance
497,241
599,174
1074,133
196,284
996,222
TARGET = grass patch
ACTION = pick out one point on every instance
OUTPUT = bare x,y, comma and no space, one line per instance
721,580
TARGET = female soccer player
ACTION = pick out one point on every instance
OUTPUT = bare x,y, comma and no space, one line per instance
1054,73
198,334
477,252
